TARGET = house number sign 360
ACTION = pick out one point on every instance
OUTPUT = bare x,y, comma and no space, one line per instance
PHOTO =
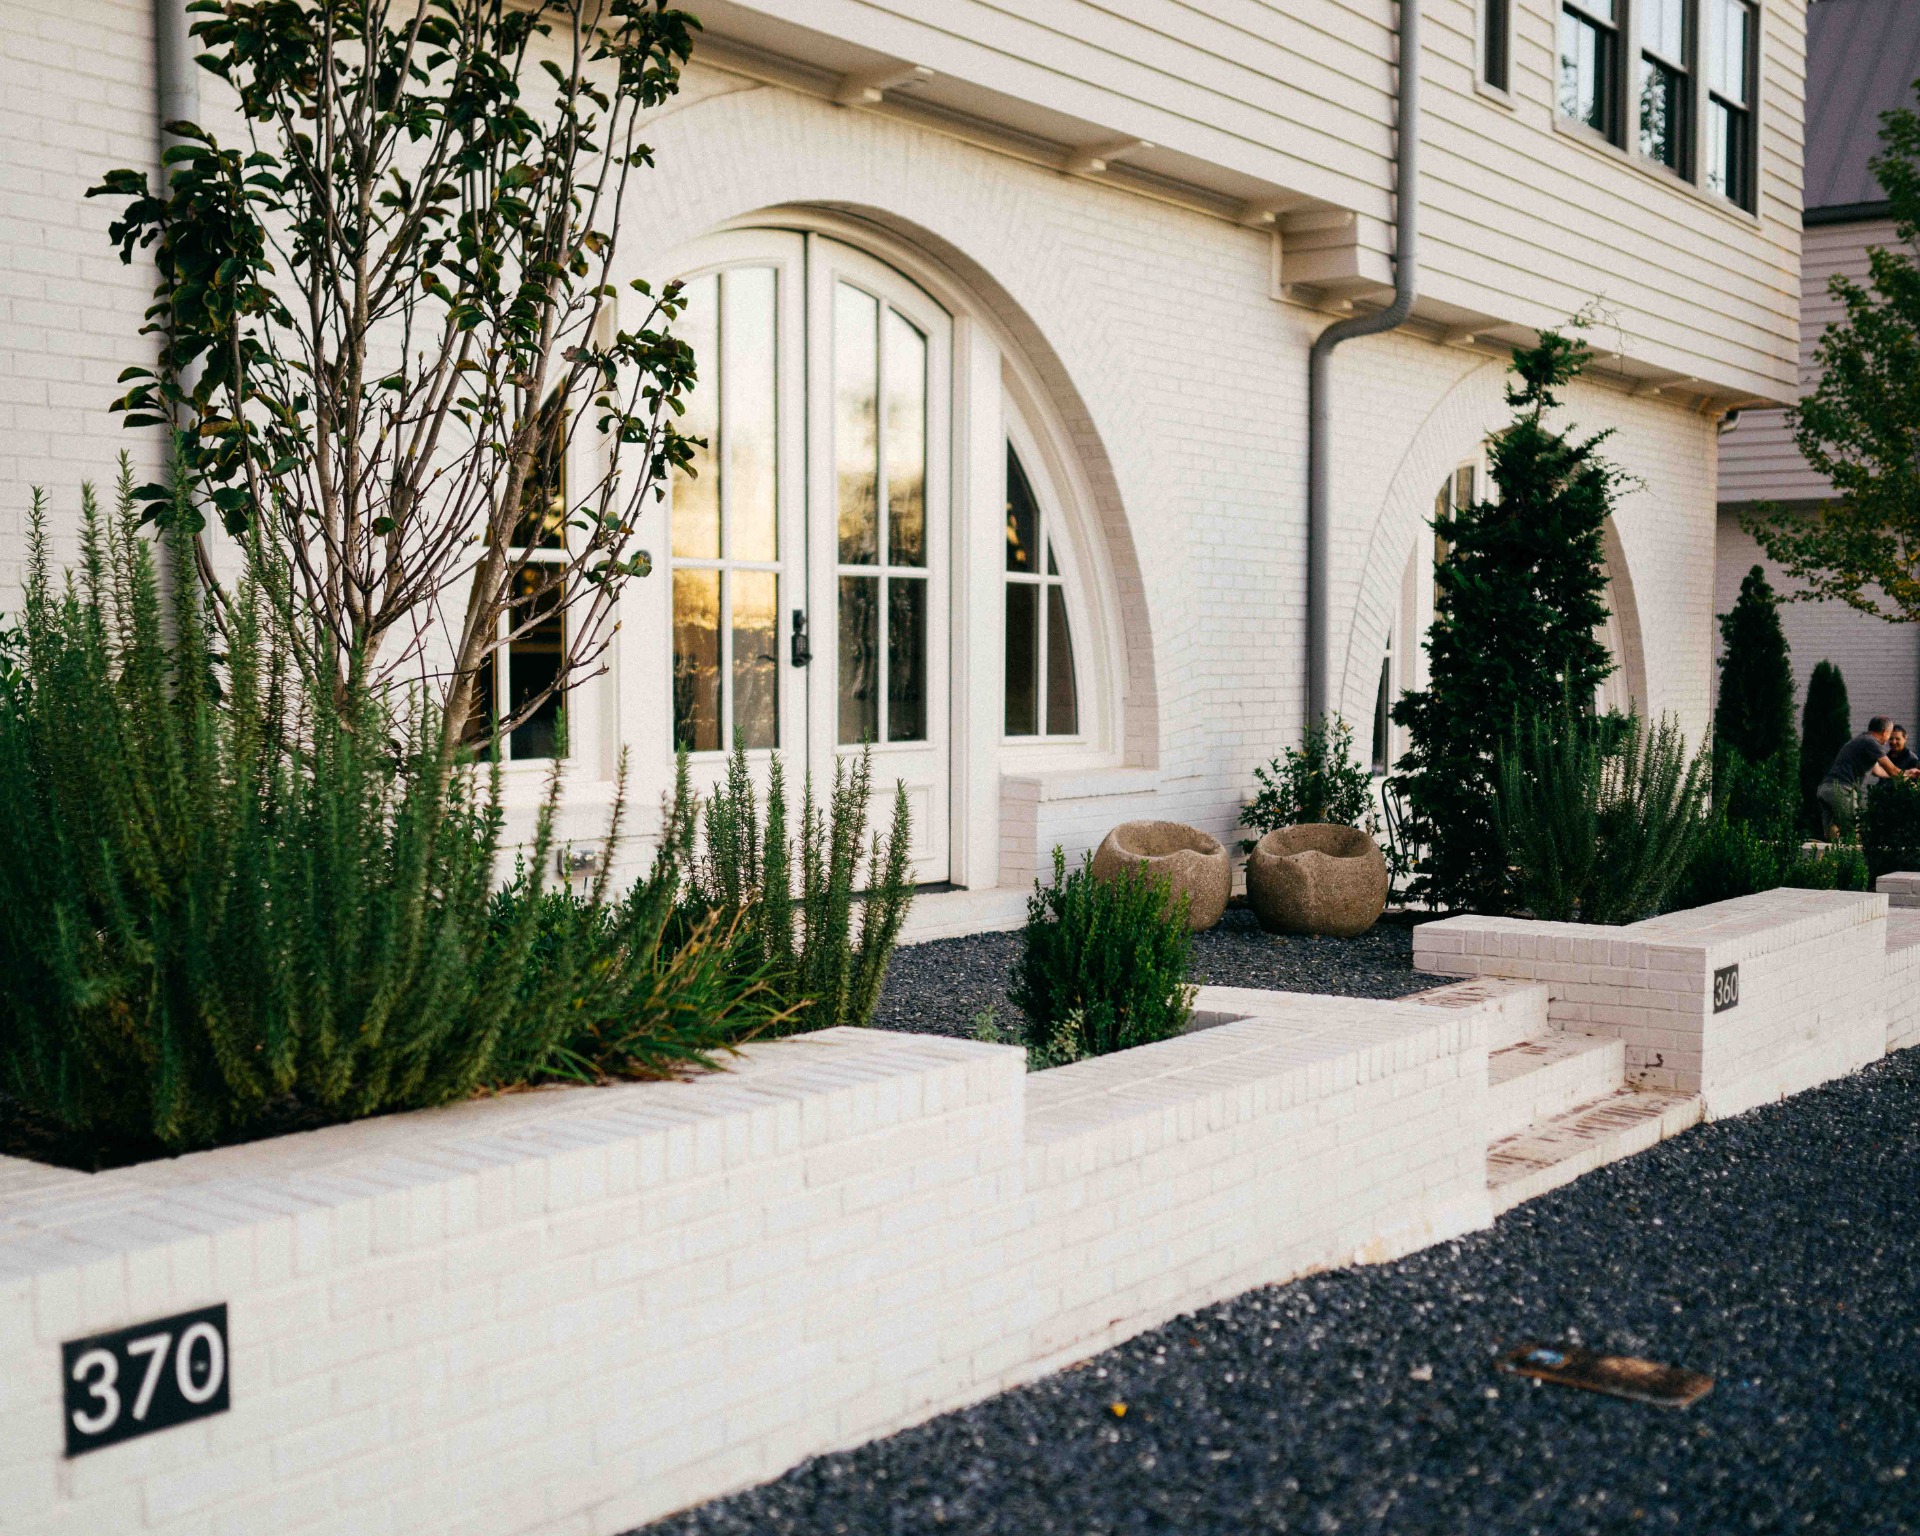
151,1376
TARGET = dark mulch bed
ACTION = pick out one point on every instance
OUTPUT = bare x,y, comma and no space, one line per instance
941,988
1776,1251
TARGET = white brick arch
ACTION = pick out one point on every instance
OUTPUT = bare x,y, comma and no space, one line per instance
746,154
1459,422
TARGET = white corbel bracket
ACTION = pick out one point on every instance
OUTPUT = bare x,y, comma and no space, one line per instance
1095,158
868,87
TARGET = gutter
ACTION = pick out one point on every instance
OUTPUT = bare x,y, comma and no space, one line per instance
1406,196
176,75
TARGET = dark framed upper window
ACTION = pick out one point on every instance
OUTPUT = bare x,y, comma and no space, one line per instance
1042,695
1731,77
1496,34
1590,65
1666,83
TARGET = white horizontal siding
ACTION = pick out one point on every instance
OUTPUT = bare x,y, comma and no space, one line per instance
1758,459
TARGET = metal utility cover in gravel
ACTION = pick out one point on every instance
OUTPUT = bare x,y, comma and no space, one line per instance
942,987
1779,1252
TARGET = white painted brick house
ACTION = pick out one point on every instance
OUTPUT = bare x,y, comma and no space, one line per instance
947,239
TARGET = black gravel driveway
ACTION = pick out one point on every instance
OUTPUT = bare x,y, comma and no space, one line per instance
1779,1251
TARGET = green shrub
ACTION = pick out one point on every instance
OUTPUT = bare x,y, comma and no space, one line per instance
1319,780
804,944
1597,815
1754,713
1839,868
1103,965
1826,725
1751,841
1519,605
233,903
1890,826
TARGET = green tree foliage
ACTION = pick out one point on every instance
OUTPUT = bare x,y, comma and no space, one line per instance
1826,725
1596,815
1103,964
1754,715
231,904
1520,601
1320,780
1860,427
801,938
389,305
1890,827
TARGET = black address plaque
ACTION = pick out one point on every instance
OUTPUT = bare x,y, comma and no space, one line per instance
151,1376
1726,988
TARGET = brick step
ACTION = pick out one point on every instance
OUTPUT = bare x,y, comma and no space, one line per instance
1557,1152
1515,1009
1548,1074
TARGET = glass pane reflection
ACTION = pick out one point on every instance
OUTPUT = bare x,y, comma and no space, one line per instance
906,659
534,660
1023,659
856,334
1063,704
756,659
906,374
749,379
1022,516
696,661
696,489
859,659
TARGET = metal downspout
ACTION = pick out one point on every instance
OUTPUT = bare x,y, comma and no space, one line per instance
1406,194
176,76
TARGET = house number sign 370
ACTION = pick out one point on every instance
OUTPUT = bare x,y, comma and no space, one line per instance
151,1376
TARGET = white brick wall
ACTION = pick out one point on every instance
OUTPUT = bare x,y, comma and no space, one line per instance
1178,379
574,1311
1814,987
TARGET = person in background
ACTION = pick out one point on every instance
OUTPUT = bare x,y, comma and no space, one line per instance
1899,752
1857,766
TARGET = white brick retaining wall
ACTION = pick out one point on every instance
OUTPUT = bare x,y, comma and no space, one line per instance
576,1310
1813,987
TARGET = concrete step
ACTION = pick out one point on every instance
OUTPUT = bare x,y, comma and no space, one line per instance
1515,1009
1548,1074
1590,1136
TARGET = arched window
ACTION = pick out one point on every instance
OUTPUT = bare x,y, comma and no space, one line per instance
1042,693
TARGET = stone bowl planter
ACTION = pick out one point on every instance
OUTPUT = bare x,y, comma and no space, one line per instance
1187,858
1317,878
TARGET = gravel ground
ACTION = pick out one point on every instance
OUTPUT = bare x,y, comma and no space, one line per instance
1776,1251
939,988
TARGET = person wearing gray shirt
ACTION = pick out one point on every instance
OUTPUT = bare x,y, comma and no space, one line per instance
1856,766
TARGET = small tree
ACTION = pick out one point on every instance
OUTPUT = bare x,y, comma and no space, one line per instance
1754,715
1519,607
1826,725
1320,780
384,319
1860,427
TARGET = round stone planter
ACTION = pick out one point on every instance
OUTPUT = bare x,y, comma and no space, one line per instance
1193,863
1317,878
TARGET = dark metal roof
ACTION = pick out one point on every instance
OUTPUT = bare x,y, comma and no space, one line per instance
1862,59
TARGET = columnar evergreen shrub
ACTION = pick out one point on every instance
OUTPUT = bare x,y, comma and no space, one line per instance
1103,964
233,901
1890,827
1754,715
1320,780
803,942
1596,815
1520,603
1826,725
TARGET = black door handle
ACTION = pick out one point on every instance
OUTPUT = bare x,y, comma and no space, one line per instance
802,646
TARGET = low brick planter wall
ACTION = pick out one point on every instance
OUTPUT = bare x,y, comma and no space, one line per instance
1741,1002
576,1310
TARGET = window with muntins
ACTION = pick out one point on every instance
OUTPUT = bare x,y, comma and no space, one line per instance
1730,86
1666,84
1590,64
726,581
1042,696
